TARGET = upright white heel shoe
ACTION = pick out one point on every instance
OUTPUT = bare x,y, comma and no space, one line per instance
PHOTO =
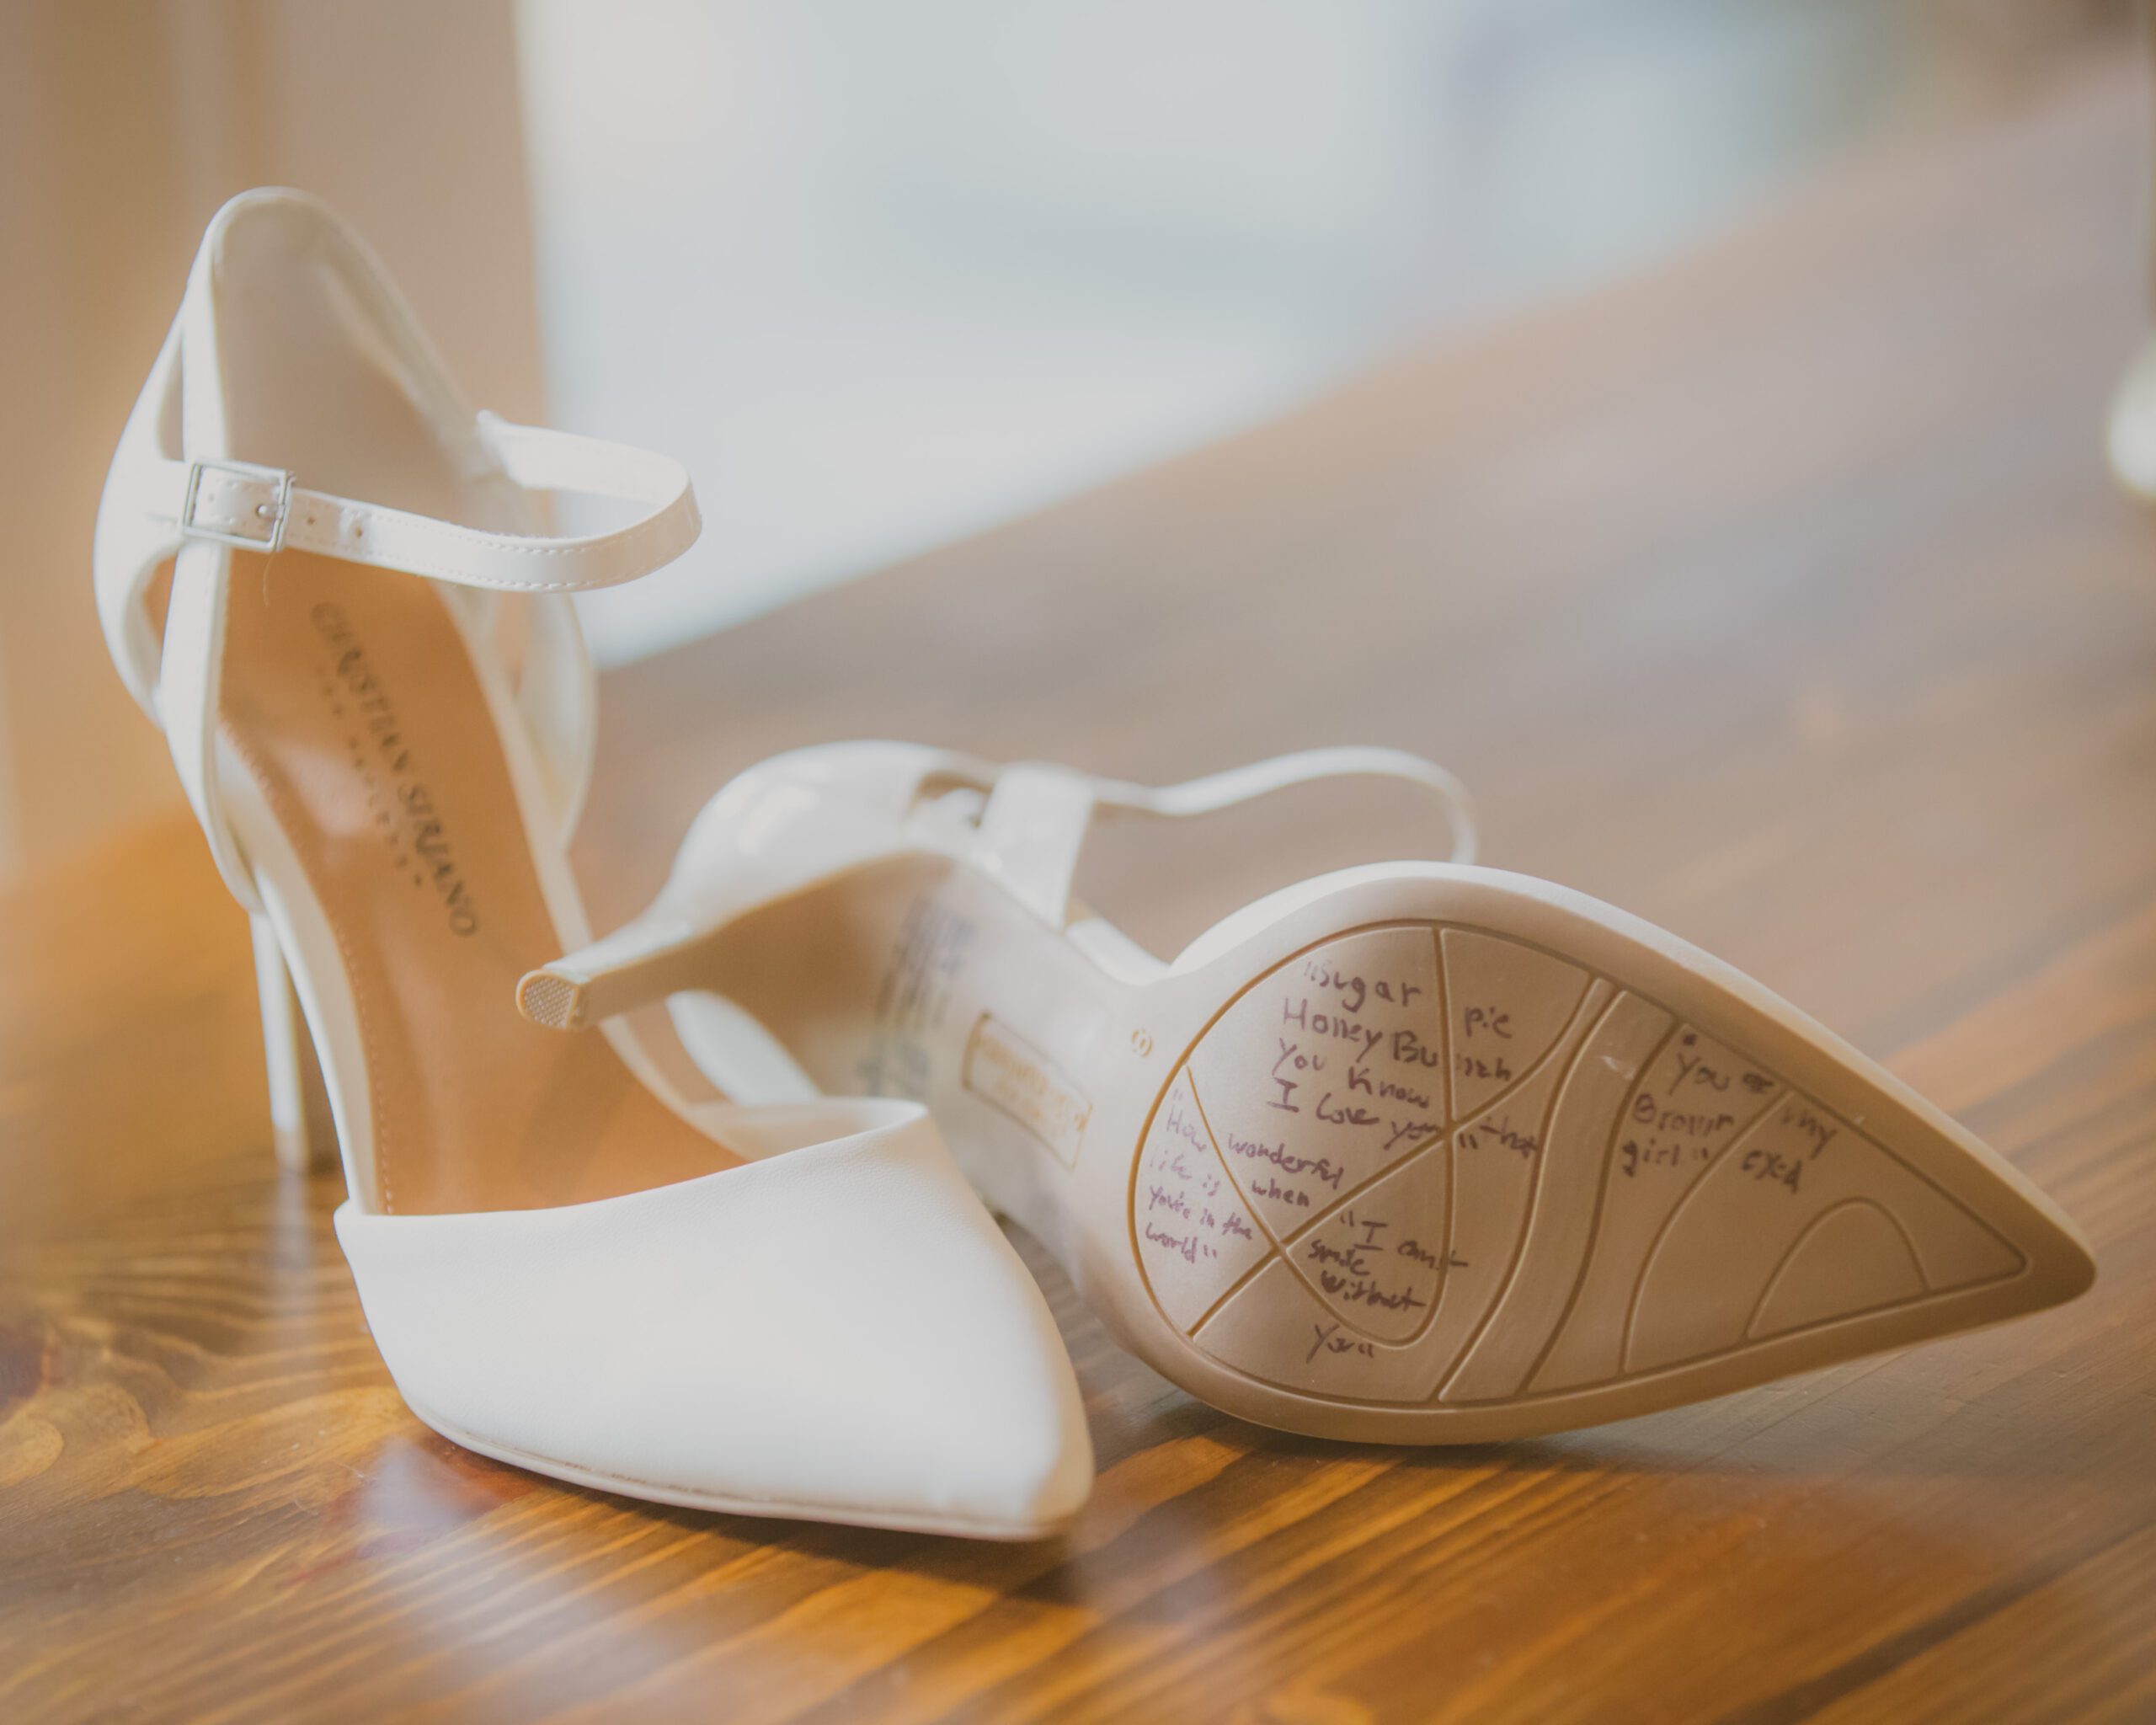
1413,1151
382,712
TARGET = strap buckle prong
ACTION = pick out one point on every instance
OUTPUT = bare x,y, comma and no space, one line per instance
275,511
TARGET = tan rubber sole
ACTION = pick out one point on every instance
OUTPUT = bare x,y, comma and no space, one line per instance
1517,1163
1438,1154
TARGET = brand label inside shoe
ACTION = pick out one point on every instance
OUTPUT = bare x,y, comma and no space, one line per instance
1014,1077
402,804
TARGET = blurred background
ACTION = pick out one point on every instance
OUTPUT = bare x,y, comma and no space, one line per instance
881,276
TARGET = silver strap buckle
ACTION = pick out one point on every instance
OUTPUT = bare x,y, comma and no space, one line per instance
274,512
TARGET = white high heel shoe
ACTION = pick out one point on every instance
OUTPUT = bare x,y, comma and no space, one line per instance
568,1265
1414,1152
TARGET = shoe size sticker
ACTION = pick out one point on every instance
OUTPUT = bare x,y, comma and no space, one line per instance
1018,1080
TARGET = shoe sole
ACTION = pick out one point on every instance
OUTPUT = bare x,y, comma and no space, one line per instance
1484,1158
950,1526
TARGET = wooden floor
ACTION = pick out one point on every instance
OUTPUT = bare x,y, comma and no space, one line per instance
1781,597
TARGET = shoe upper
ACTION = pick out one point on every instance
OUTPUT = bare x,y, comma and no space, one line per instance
841,1326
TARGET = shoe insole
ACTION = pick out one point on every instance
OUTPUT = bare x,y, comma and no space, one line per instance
351,697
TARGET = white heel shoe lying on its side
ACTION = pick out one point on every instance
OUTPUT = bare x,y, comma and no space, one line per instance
382,712
1416,1152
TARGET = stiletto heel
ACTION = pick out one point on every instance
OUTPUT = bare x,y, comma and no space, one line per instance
304,1131
376,697
654,956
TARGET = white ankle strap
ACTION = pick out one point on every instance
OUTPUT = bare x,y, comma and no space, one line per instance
1261,779
1034,822
249,507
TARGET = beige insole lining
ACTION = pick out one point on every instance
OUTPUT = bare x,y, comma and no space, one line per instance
348,694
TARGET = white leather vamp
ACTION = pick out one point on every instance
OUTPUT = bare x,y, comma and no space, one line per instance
838,1328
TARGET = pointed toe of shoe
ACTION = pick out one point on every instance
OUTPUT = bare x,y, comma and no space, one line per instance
980,1416
839,1332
